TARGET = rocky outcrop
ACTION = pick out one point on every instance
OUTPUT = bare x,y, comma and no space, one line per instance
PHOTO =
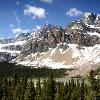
12,47
6,40
89,18
48,37
4,56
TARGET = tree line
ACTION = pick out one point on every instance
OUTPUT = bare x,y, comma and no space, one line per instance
10,69
21,88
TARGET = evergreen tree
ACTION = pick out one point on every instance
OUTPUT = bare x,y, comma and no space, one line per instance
27,95
38,90
17,92
44,95
31,89
51,88
93,83
60,94
5,87
1,88
82,89
66,91
57,95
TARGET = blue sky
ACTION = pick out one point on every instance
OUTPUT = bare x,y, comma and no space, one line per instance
28,15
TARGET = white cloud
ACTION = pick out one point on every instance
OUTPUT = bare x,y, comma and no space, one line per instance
47,1
19,30
35,12
11,25
17,3
17,18
74,12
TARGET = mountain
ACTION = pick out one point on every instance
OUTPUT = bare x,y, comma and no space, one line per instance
75,46
13,46
10,48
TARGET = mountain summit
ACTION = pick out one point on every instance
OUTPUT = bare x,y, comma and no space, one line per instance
75,46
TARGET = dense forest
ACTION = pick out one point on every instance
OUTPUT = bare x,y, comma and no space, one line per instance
17,86
10,69
20,88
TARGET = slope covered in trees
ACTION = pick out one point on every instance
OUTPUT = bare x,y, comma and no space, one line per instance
9,69
20,88
17,83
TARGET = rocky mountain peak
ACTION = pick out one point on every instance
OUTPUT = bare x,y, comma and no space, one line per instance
22,36
89,18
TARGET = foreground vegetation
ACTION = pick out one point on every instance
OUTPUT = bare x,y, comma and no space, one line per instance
20,86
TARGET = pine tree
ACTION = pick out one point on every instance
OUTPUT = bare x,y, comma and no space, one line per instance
51,87
44,95
66,91
1,88
17,92
5,87
82,89
15,80
10,89
75,94
93,83
38,90
32,90
27,95
61,92
57,95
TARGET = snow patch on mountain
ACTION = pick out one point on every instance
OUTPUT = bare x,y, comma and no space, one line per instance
93,33
72,57
15,43
19,43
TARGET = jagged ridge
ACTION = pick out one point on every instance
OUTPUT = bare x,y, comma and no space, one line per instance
76,45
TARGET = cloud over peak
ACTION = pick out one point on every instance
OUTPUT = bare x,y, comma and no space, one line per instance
74,12
19,30
35,12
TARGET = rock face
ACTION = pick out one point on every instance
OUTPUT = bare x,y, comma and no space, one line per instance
89,18
4,56
48,37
